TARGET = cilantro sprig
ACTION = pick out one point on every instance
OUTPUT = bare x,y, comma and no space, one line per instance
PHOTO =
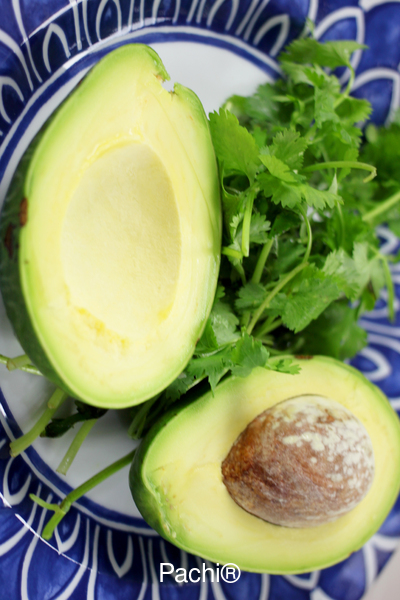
321,250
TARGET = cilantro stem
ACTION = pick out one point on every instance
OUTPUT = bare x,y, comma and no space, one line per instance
275,352
27,368
273,293
245,318
246,225
138,422
232,253
309,233
268,326
257,275
295,348
343,164
75,445
18,362
388,282
381,208
347,91
262,259
19,445
310,132
56,399
60,510
240,270
143,420
342,225
350,83
267,341
235,254
43,503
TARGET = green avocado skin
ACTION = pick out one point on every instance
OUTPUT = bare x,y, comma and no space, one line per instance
12,219
145,502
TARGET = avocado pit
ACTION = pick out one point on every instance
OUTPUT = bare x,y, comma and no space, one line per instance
304,462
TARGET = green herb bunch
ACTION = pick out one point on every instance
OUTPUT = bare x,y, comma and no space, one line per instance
300,257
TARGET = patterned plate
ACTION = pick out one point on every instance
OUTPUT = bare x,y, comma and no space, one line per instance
103,549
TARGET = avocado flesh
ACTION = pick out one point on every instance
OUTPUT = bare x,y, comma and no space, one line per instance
119,257
176,478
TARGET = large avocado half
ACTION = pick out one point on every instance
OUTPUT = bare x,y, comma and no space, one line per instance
110,234
177,484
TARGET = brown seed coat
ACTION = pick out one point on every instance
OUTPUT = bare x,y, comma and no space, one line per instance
304,462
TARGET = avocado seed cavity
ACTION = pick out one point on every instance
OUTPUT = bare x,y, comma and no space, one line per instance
304,462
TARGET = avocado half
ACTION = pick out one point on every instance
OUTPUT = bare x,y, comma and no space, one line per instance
177,484
110,234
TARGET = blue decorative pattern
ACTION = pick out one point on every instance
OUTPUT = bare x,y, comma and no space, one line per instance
46,46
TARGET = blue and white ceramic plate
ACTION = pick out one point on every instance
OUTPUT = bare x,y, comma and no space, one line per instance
103,550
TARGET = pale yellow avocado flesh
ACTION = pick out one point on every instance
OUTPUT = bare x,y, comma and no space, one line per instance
120,254
182,472
125,235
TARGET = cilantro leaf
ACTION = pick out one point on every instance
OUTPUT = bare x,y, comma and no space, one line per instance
319,199
260,107
214,366
329,54
289,251
250,296
233,209
278,168
221,329
224,323
325,99
343,269
335,333
179,387
284,221
368,268
235,147
260,136
58,426
283,365
208,341
289,147
354,110
219,293
314,294
248,354
259,228
288,195
296,73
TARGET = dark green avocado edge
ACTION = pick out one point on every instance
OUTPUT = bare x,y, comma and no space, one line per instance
14,215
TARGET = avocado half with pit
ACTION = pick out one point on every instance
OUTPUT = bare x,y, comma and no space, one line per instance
110,234
177,482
